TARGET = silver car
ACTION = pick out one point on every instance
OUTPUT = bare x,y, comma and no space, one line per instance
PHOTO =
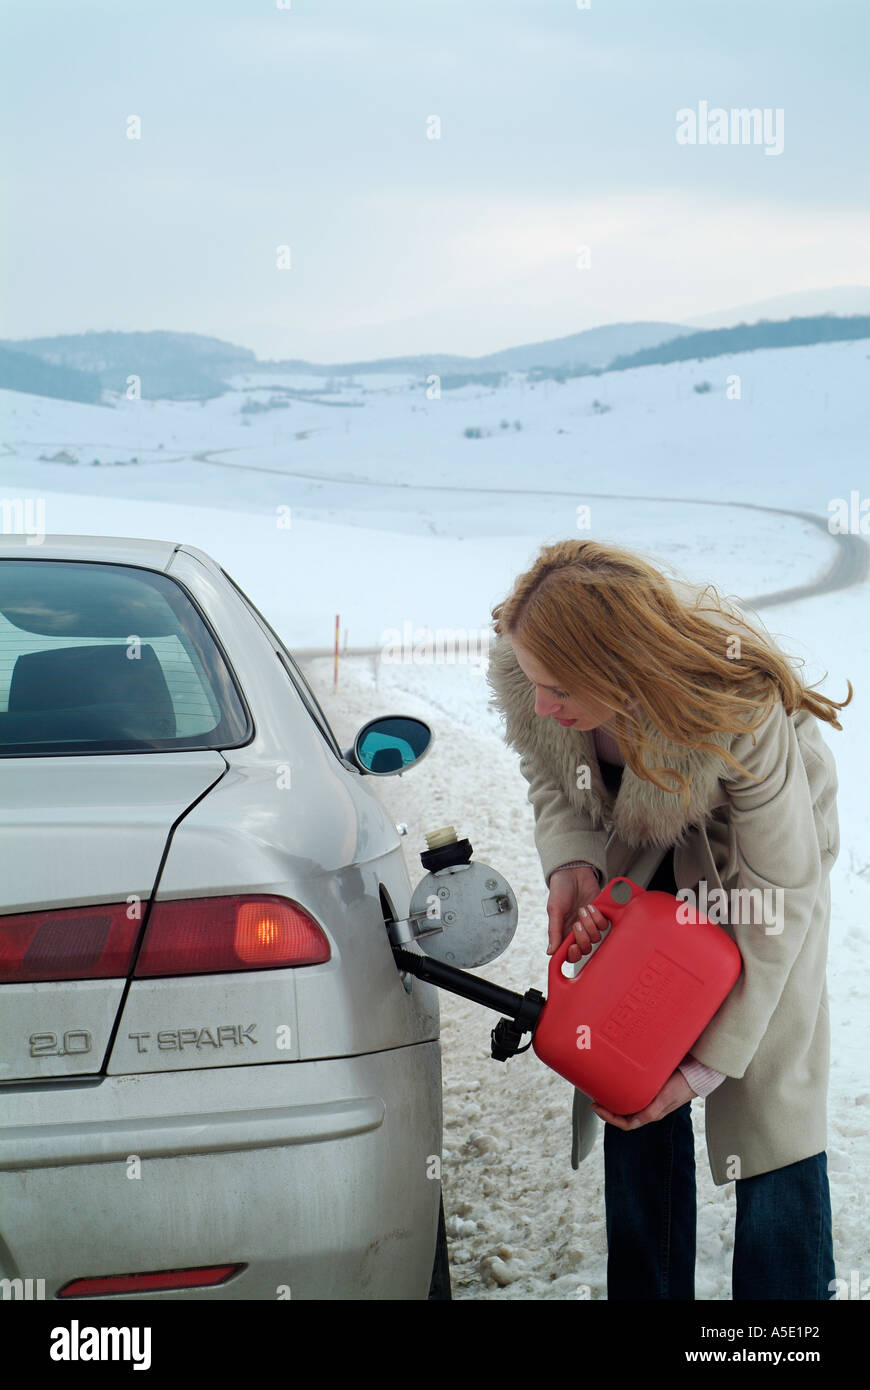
215,1083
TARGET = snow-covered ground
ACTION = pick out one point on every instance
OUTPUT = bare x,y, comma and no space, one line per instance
396,517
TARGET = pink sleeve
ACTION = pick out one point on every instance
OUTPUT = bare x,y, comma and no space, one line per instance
583,863
702,1079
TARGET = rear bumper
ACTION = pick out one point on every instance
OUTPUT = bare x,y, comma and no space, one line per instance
318,1176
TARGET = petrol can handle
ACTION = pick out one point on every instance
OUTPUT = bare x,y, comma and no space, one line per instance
606,903
611,909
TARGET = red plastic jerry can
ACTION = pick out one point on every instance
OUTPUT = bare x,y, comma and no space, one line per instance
620,1027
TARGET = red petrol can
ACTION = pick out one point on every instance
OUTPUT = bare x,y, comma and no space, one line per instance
619,1028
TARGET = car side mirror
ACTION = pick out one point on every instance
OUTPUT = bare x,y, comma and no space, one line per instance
390,745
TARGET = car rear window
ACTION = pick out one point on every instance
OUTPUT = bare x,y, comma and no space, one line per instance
98,657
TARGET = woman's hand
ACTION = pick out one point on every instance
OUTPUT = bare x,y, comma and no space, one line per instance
571,890
675,1092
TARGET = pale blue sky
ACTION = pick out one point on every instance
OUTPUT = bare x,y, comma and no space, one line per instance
264,126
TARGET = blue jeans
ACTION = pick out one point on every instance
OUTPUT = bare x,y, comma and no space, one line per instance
783,1242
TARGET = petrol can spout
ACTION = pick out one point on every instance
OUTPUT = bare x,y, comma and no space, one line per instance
462,982
523,1009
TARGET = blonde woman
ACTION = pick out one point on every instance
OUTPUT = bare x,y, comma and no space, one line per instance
667,739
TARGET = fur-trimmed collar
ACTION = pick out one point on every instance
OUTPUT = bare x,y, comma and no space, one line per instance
642,813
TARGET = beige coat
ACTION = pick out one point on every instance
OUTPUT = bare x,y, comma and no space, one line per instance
771,1036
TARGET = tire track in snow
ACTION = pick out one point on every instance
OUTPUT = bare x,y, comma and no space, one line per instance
850,564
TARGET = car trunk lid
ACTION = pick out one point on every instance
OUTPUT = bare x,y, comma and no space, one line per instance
80,832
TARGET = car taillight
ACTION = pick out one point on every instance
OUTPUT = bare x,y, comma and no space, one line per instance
198,936
70,943
204,1277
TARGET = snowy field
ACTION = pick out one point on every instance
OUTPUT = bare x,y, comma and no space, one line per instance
400,464
395,516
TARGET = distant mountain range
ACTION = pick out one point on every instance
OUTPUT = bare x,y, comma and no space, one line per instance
593,348
170,366
834,299
190,366
752,337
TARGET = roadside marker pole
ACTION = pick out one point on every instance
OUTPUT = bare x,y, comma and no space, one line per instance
335,671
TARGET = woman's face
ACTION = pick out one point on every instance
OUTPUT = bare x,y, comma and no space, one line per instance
552,700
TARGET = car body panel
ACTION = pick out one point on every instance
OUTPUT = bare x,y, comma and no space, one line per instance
314,1164
319,1177
56,1027
85,828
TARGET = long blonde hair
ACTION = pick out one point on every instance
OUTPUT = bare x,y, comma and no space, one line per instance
606,622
